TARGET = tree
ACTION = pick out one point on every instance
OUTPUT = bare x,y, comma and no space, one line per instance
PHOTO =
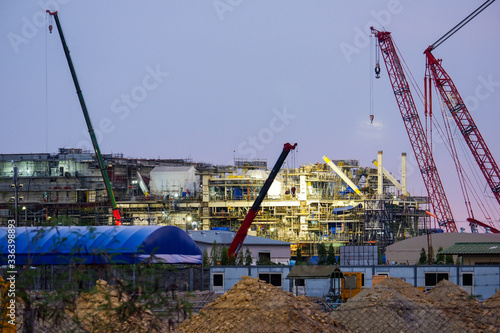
381,258
330,260
240,260
224,257
448,259
299,260
206,259
232,261
248,257
322,256
215,254
423,257
440,257
430,255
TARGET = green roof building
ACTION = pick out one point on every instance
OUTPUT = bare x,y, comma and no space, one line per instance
487,253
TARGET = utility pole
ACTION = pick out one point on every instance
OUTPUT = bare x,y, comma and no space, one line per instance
16,193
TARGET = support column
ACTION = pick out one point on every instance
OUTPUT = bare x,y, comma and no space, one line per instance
380,175
205,211
403,174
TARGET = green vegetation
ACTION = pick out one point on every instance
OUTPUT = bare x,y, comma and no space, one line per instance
322,254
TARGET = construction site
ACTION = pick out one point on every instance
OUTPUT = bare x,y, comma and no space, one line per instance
346,204
95,241
334,201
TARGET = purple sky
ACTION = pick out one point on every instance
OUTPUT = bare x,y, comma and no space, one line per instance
213,80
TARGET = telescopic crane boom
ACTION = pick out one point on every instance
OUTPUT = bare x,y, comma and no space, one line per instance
102,167
415,130
238,240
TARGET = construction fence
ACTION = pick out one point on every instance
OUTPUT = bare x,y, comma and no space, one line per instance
251,305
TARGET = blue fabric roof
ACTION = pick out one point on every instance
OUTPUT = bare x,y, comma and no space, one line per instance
346,209
103,244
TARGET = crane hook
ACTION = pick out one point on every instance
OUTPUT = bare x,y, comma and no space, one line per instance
377,71
371,118
50,28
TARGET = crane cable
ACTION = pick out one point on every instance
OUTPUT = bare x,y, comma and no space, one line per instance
49,23
465,181
461,24
372,38
456,160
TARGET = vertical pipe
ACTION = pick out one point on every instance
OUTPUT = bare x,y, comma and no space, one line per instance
380,175
403,174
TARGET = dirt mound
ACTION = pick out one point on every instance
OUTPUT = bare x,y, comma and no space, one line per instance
391,306
396,306
401,287
449,293
97,311
493,301
492,306
252,305
462,310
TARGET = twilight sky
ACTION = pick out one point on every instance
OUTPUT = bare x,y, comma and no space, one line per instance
213,80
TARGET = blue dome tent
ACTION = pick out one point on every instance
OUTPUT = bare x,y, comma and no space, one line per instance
100,245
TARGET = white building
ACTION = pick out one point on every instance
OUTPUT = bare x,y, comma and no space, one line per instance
260,248
174,181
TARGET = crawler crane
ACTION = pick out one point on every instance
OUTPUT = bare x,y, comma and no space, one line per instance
415,131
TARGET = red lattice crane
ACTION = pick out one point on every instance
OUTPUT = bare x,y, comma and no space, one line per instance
415,130
455,104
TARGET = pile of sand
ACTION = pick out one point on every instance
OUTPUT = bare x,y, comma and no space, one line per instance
253,305
393,305
396,306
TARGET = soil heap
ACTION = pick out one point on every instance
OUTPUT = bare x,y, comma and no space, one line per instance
396,306
253,305
393,305
493,302
96,311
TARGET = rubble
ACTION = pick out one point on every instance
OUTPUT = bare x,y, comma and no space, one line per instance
253,305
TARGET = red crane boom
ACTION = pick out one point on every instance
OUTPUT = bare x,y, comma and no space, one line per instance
465,123
415,130
238,240
455,104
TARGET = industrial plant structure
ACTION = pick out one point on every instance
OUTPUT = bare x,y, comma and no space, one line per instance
338,202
